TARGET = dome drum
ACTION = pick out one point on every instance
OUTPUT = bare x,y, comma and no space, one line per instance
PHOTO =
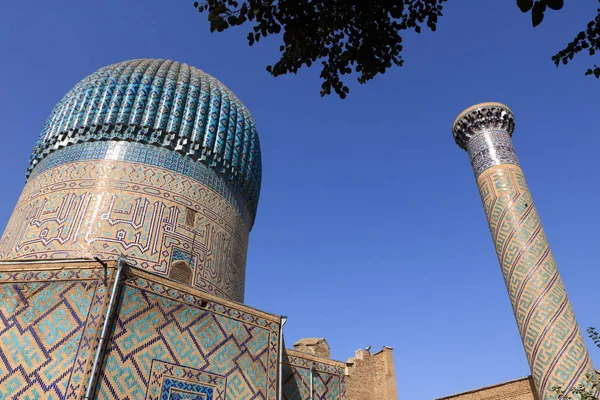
150,159
165,104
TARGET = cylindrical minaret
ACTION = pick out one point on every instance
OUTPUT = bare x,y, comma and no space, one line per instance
152,159
553,343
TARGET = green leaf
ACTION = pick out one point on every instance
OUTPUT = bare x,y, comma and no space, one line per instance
525,5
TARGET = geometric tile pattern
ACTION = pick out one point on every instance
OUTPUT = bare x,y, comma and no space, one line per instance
553,343
166,343
485,131
328,380
211,345
165,104
145,154
180,255
171,381
48,326
106,208
550,334
483,155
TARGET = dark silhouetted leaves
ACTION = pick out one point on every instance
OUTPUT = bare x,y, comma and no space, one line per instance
525,5
343,36
537,13
588,40
595,71
538,8
356,36
555,4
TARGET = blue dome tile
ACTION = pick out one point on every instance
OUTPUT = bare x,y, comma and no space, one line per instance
166,104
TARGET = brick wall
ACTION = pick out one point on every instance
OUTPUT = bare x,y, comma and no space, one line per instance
371,376
519,389
328,377
313,346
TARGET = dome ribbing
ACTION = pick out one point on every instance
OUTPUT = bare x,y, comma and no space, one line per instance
166,104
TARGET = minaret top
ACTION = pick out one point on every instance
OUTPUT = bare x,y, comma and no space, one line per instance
489,116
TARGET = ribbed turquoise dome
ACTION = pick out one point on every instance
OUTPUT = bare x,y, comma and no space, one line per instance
166,104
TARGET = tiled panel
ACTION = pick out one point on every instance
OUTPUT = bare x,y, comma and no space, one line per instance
551,337
328,379
162,332
49,321
165,343
173,382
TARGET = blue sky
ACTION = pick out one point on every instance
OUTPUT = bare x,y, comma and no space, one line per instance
370,230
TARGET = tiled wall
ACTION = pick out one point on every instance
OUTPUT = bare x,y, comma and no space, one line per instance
551,337
328,377
168,341
107,207
49,320
152,156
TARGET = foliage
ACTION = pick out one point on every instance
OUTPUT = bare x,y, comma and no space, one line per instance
589,389
538,8
585,40
347,36
583,391
356,36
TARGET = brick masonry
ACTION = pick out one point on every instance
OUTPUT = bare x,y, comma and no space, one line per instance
519,389
371,376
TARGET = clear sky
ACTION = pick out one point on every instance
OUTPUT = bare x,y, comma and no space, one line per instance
370,230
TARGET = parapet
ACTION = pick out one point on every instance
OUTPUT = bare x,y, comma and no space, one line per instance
313,346
371,376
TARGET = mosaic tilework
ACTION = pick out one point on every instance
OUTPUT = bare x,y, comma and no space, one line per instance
150,155
490,148
328,379
49,322
166,342
165,104
180,255
555,349
107,208
209,343
172,382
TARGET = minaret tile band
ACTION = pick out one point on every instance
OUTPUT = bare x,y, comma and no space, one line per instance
553,343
